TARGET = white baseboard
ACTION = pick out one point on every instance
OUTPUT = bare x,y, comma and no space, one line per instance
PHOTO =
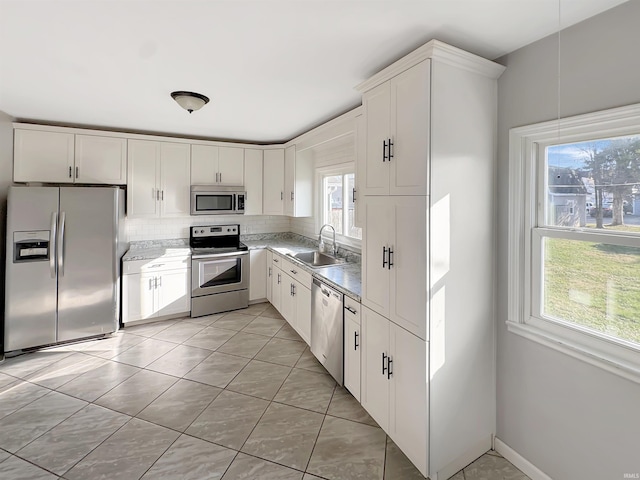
519,461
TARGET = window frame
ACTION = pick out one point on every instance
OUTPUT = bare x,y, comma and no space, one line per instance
327,171
527,230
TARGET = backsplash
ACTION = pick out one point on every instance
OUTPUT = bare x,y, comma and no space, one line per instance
137,229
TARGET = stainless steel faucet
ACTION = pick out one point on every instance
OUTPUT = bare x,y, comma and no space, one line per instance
334,237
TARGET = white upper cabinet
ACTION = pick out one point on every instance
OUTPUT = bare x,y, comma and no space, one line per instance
213,165
273,182
101,160
174,180
61,157
253,181
298,178
158,179
397,135
231,166
361,169
143,178
41,156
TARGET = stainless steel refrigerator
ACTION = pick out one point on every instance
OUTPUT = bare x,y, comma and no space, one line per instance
64,246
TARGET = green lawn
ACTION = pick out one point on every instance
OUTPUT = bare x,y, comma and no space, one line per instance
594,285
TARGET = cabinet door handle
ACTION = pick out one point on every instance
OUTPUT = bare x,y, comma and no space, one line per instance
384,151
384,257
157,194
353,195
162,195
390,152
384,366
269,271
278,279
70,172
389,364
294,289
155,282
355,340
292,196
150,283
77,171
281,195
390,258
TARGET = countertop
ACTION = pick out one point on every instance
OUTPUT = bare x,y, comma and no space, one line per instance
149,250
345,278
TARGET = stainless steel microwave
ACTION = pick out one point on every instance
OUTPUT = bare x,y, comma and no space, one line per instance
212,200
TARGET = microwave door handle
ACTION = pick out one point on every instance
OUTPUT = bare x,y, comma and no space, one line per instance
52,244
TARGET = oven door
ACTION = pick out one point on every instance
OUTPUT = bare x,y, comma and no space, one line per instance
213,203
219,273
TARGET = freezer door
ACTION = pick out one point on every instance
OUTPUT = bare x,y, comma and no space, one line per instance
30,284
87,262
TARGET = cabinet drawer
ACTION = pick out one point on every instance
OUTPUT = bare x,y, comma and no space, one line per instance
351,309
156,265
295,271
277,260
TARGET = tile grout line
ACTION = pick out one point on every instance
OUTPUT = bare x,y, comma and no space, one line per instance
324,417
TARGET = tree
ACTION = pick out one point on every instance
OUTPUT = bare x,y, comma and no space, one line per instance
593,164
615,167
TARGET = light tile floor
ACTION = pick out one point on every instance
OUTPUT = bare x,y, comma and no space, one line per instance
232,396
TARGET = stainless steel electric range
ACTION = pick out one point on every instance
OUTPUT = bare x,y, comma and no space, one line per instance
219,270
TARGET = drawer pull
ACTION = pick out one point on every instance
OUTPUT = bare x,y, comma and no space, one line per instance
352,310
295,272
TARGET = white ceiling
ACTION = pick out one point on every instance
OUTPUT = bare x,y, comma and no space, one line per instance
273,69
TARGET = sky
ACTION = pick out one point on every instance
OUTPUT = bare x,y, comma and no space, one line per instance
572,155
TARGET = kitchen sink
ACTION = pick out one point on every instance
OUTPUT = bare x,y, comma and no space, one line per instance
318,259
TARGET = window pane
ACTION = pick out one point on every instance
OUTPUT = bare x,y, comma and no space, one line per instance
594,184
333,201
595,285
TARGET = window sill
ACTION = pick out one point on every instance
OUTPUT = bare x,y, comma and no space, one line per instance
577,345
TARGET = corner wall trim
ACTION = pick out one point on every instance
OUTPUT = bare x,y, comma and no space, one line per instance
519,461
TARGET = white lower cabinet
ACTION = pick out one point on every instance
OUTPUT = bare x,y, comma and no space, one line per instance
394,384
352,346
269,274
295,297
154,288
257,274
276,287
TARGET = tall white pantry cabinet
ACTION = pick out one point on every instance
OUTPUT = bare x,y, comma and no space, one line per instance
426,183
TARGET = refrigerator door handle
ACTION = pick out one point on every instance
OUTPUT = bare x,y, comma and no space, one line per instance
61,244
52,244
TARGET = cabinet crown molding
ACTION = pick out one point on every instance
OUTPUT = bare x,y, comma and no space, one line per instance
435,50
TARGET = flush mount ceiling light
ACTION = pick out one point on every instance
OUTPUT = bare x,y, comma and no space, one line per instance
190,101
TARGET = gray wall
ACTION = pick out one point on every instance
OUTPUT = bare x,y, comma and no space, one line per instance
570,419
6,175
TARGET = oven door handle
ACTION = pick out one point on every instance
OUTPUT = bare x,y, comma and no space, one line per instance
213,256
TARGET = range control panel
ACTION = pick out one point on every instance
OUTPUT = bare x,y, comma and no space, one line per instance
215,231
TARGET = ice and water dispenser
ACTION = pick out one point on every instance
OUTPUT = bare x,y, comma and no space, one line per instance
31,246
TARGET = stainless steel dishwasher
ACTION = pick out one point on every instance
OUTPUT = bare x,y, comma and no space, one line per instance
327,328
